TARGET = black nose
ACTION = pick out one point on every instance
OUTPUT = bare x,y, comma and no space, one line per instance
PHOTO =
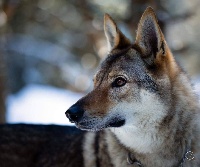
74,113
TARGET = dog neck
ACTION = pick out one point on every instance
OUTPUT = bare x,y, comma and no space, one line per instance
188,156
139,140
151,148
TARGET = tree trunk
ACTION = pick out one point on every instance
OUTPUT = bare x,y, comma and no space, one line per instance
2,89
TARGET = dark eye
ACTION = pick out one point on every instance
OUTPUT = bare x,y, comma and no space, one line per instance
119,82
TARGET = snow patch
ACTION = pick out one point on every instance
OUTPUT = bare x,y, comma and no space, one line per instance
38,104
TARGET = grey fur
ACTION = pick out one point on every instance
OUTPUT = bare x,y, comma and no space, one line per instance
160,110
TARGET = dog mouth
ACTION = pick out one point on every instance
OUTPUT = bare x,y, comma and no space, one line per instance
116,123
93,125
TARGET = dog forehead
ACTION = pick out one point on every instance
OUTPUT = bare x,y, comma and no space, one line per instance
129,62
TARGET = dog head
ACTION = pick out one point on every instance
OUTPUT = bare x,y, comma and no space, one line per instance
132,86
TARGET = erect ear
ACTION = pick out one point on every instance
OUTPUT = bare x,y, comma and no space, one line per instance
115,38
150,38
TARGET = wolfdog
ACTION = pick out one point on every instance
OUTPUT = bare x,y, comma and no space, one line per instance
142,112
142,108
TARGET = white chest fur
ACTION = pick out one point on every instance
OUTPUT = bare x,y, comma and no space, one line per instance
138,140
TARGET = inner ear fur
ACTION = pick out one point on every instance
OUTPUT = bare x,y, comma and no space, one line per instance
149,37
115,38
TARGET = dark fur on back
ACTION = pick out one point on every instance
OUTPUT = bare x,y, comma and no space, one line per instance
40,146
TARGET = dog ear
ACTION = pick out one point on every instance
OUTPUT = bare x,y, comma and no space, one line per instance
115,38
150,38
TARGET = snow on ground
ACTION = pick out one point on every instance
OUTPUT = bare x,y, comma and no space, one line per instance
197,85
39,104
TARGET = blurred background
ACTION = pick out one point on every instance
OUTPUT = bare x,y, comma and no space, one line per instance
50,49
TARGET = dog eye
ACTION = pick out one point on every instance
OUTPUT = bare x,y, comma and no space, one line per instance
119,82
